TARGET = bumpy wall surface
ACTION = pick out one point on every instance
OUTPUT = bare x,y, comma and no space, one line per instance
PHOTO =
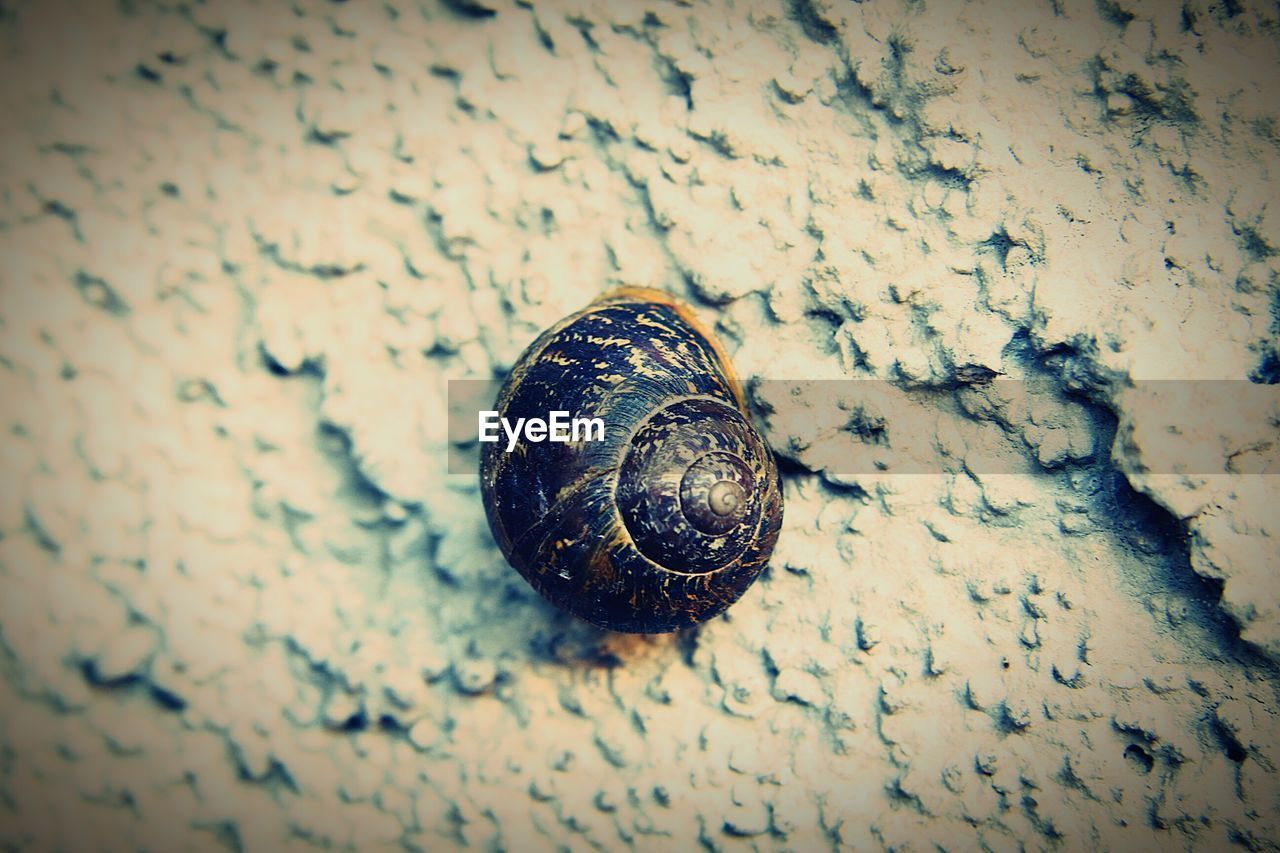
243,247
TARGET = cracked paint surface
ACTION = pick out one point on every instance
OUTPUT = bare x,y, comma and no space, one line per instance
244,246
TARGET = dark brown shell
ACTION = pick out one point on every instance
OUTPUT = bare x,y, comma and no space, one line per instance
668,520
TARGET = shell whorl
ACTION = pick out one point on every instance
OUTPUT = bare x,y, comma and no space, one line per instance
677,459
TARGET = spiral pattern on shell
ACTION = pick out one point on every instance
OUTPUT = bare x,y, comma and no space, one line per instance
666,521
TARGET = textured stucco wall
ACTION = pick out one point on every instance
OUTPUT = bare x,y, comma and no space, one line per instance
243,247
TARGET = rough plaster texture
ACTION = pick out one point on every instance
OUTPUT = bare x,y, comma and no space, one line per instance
242,247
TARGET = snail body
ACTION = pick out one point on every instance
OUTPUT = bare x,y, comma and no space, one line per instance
667,519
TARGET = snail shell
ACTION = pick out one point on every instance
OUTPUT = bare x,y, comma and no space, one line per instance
666,521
